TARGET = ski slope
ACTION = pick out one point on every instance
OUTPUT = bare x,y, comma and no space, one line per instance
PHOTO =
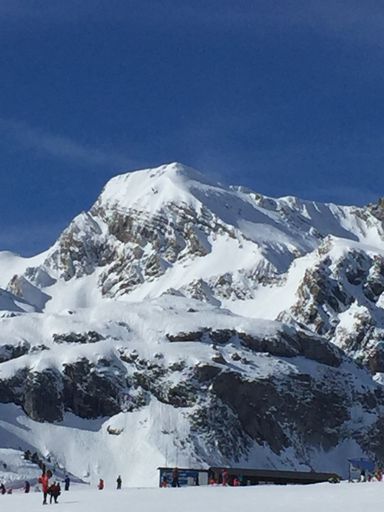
268,498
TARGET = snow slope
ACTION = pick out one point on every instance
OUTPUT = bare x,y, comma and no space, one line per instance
14,470
153,427
11,264
166,229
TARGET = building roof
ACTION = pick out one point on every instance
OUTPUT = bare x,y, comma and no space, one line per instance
274,474
264,474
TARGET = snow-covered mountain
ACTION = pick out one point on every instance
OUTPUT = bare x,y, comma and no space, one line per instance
183,322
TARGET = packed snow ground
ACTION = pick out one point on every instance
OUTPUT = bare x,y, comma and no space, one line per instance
268,498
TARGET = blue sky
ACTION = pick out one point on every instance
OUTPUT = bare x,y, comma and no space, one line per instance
283,96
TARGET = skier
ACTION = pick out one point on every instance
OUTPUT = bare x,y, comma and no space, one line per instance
3,489
67,482
225,477
119,482
100,485
27,487
175,478
44,481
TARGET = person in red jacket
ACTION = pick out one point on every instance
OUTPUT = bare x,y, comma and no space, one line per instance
101,484
44,481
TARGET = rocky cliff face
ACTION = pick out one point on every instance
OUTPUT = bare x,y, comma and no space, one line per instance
166,295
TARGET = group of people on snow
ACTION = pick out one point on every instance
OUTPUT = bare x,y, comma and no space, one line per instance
4,490
101,483
223,480
367,476
175,479
53,490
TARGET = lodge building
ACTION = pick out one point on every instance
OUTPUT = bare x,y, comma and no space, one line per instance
245,476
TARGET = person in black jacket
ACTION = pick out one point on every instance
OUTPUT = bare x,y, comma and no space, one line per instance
175,478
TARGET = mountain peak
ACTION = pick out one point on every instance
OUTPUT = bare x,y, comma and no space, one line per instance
149,189
184,171
170,170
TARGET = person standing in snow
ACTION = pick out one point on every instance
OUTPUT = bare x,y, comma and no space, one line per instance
27,487
175,478
67,482
118,482
100,485
3,490
54,492
44,481
225,477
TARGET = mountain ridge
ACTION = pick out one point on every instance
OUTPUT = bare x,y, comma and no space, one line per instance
240,316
